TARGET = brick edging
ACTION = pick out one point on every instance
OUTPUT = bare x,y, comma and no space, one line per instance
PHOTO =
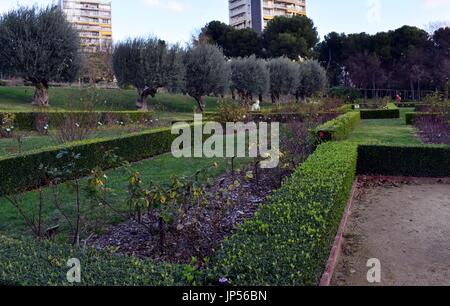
327,276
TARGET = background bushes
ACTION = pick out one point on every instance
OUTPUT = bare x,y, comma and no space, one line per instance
289,239
37,263
24,171
339,128
404,161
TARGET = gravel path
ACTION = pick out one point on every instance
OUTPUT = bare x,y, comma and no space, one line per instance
404,224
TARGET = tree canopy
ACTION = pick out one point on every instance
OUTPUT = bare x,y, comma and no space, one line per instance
40,46
207,72
312,79
407,57
283,77
292,37
147,64
249,77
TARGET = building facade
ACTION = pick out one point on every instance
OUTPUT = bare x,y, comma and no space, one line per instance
256,14
93,20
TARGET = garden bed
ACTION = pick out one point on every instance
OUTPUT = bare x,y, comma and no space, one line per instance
203,229
433,129
403,222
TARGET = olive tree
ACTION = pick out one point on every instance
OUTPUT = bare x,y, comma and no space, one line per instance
283,77
148,65
207,72
249,77
39,45
312,79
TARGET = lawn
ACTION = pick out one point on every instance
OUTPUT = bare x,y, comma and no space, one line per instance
159,169
19,98
386,131
32,140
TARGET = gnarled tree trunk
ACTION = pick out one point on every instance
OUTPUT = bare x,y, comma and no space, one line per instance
40,97
143,95
201,103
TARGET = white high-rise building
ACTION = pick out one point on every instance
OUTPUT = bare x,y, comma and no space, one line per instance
256,14
93,20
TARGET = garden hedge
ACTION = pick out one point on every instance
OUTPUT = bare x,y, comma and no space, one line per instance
411,117
27,120
337,129
417,161
392,112
289,240
22,172
410,104
29,262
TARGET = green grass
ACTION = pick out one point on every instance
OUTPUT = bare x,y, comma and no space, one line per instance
159,169
32,141
19,99
386,131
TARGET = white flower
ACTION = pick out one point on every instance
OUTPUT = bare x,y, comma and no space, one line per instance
77,125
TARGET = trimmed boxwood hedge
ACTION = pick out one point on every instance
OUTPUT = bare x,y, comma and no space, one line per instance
29,262
411,117
23,172
337,129
27,120
392,112
418,161
410,104
289,240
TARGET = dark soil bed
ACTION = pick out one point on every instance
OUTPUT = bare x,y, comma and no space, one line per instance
210,225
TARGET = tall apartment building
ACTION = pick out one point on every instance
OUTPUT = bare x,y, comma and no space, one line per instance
93,20
257,13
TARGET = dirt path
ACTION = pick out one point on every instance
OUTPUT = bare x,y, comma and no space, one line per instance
404,225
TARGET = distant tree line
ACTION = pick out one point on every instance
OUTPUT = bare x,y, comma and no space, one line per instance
406,58
286,60
203,69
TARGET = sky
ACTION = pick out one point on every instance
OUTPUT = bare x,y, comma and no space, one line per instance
178,20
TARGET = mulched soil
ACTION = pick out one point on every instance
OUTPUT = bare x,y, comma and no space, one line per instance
214,222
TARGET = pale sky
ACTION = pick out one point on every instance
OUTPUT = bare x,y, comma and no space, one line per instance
177,20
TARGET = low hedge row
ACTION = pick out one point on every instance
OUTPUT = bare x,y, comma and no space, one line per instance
417,161
412,117
289,240
392,112
29,262
337,129
23,172
410,104
29,120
